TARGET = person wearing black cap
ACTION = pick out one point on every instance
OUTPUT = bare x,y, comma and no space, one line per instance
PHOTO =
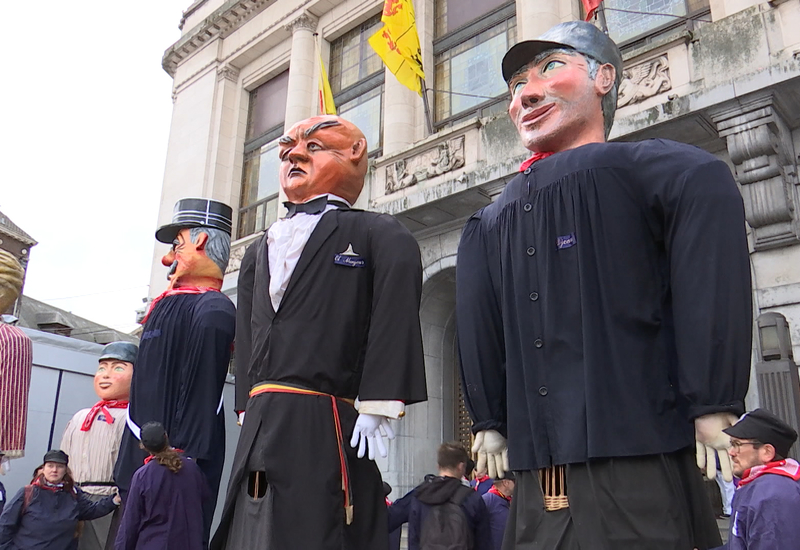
164,509
185,348
45,514
498,502
93,435
767,501
604,315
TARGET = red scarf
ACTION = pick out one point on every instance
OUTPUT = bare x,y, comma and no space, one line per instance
174,292
788,468
102,406
494,491
42,483
536,156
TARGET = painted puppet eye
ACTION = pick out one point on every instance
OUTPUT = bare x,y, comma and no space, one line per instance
517,86
552,64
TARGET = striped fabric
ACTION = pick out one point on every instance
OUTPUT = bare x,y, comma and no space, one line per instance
16,359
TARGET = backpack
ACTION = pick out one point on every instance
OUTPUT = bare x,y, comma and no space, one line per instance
446,527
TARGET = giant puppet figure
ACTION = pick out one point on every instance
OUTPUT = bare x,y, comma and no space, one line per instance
185,347
92,438
604,315
16,360
328,311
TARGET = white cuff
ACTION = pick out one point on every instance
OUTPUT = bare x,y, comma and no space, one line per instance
389,409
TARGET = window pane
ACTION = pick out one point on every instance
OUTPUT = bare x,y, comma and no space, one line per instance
267,105
352,58
624,25
366,113
450,15
472,68
268,182
250,178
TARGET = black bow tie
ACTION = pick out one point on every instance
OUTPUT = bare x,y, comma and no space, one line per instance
313,207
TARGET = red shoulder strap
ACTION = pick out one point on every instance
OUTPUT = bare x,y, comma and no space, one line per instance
28,496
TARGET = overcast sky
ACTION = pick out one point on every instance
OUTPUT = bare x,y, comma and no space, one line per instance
84,122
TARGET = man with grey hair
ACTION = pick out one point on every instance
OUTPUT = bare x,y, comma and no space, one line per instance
185,348
604,315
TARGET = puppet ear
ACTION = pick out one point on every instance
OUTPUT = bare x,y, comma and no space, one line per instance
202,240
605,79
358,150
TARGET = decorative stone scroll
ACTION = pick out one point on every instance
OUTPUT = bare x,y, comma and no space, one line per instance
760,146
644,80
445,157
235,260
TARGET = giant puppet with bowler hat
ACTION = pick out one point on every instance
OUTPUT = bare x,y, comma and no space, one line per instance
327,312
604,315
185,347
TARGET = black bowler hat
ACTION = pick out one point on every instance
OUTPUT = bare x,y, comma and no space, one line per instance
154,436
121,351
765,427
580,36
196,213
56,455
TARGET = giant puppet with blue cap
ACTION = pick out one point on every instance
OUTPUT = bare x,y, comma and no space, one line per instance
604,314
93,435
185,347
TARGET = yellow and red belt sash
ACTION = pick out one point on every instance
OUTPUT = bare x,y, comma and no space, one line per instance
273,387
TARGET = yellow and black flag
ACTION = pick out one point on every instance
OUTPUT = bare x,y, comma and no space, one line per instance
397,43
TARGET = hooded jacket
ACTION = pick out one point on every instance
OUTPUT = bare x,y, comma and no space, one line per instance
415,506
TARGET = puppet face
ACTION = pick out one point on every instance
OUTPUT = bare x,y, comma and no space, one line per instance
113,379
556,106
324,154
189,264
54,472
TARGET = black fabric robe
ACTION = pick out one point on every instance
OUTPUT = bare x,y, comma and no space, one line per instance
604,302
178,379
346,330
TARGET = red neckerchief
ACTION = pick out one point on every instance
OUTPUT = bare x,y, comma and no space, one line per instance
788,468
176,291
388,502
495,491
151,457
479,480
102,406
536,156
44,484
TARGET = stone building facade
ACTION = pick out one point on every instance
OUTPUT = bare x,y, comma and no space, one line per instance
720,74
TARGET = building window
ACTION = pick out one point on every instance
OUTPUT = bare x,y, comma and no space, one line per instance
471,38
258,205
631,19
357,76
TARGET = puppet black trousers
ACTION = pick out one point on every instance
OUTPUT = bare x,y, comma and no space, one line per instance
654,502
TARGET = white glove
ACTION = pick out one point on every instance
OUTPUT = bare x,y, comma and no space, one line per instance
368,433
240,421
492,453
712,442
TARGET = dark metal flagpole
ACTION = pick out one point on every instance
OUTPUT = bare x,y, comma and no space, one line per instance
426,105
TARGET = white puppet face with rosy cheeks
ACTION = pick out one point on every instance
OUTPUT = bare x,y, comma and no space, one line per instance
112,381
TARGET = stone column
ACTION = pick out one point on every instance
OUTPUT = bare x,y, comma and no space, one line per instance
760,147
301,86
399,111
533,18
220,183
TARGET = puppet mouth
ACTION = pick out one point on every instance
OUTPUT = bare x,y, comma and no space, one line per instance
172,269
104,385
296,171
537,114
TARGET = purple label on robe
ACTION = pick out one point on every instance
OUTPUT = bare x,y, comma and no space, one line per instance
566,241
349,261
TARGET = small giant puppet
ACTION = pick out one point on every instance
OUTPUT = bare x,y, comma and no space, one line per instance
185,348
16,360
604,315
328,311
92,439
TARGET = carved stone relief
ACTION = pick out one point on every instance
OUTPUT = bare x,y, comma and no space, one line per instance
235,261
760,147
445,157
644,80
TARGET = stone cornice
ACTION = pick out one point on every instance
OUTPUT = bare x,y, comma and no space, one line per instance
223,21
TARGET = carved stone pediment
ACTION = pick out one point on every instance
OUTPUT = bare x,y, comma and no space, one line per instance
442,158
644,80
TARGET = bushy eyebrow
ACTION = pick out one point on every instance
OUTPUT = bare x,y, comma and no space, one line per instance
320,126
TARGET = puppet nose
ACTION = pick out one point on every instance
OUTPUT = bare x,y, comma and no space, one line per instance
167,260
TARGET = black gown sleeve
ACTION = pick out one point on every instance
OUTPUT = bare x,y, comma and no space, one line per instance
244,336
480,330
394,367
709,270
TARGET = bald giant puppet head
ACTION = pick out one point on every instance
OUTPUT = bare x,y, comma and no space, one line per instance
323,154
